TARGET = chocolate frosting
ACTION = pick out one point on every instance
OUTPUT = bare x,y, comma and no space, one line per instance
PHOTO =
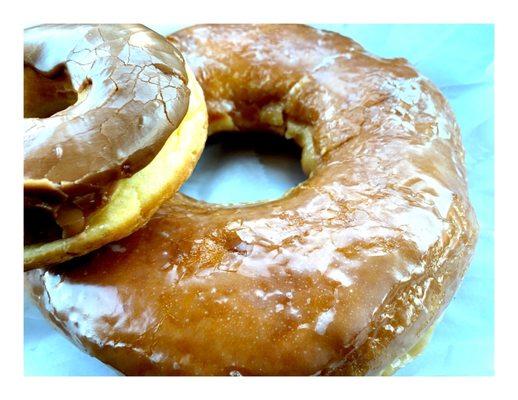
132,94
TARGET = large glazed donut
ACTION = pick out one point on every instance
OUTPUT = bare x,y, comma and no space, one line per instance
113,126
344,275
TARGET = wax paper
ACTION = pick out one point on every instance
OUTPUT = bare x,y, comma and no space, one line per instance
459,59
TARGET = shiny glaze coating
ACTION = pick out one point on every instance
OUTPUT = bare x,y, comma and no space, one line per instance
128,92
342,275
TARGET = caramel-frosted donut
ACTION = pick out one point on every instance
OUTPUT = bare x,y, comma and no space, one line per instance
344,275
124,90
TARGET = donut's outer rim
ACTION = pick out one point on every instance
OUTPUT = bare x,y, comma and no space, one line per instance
135,199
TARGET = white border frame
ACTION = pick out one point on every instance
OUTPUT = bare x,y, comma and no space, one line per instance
393,11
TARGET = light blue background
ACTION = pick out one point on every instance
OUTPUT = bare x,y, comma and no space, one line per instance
459,59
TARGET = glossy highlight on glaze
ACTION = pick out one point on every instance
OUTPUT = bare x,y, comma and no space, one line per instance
341,276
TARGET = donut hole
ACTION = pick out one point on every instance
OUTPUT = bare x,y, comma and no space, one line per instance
241,167
39,226
45,94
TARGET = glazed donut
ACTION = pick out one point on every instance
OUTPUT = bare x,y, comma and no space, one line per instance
100,156
344,275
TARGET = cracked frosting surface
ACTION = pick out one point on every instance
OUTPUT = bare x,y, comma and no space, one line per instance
128,92
341,276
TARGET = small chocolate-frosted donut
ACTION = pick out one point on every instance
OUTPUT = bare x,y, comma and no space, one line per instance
344,275
100,103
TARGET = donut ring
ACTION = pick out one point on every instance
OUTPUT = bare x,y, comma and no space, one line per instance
344,275
126,144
